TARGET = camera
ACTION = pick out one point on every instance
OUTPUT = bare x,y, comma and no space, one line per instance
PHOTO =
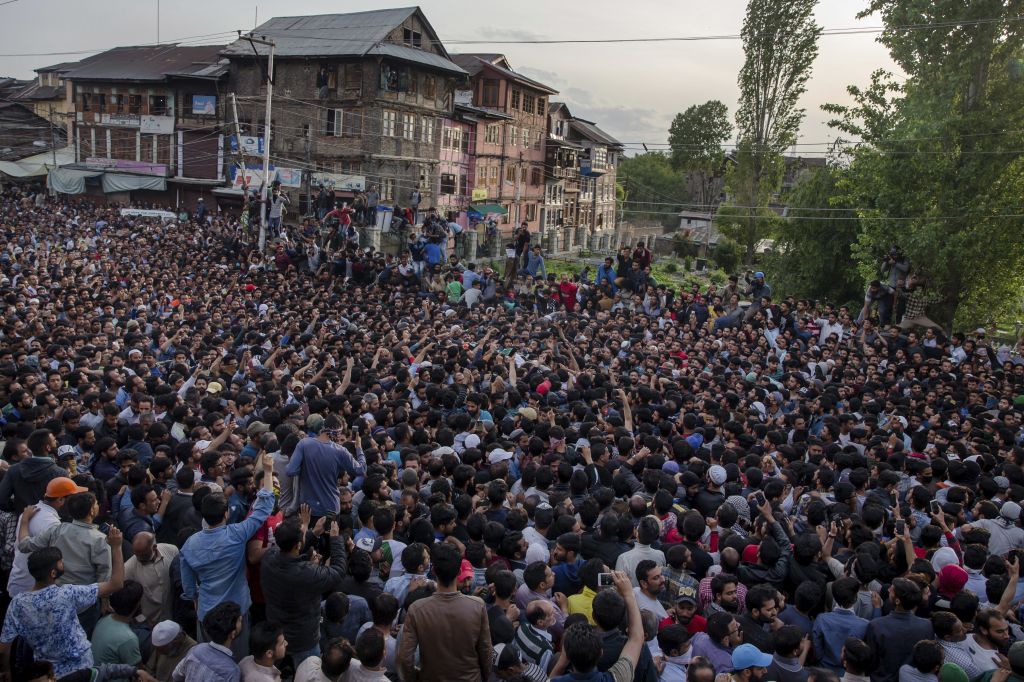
605,580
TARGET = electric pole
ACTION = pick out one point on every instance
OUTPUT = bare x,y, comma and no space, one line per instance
266,138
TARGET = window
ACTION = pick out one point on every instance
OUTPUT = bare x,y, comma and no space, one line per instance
158,105
492,176
412,38
388,125
535,176
451,138
387,189
117,104
513,135
352,123
468,140
489,96
529,102
531,212
134,104
86,101
539,140
448,183
409,126
493,134
429,87
515,100
348,167
526,138
600,156
101,102
463,186
353,76
427,129
396,79
541,103
333,122
481,176
510,174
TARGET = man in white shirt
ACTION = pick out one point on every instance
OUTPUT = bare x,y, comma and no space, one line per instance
647,533
648,574
46,515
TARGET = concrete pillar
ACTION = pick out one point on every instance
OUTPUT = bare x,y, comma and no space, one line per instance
470,237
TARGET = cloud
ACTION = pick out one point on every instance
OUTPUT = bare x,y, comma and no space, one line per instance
546,77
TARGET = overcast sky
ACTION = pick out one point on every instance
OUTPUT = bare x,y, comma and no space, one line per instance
631,90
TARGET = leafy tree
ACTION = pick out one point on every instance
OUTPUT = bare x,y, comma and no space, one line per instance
939,171
727,255
780,43
652,189
695,138
811,256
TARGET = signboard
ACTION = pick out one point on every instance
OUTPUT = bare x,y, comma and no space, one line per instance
464,97
336,181
253,176
204,105
142,167
289,177
123,120
148,213
480,193
156,125
250,144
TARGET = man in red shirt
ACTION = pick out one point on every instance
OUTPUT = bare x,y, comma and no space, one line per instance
567,291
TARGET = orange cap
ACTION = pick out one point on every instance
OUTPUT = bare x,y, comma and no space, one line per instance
62,486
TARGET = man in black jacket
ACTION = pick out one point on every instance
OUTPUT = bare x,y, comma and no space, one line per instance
770,563
25,482
756,622
294,586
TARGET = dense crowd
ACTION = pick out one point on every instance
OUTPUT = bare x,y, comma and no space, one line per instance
330,463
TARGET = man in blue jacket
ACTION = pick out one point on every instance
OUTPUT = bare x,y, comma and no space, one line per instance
606,273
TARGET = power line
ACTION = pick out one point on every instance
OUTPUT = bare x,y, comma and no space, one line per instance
210,36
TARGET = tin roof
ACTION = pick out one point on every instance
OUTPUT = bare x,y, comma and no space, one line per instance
145,63
474,63
356,34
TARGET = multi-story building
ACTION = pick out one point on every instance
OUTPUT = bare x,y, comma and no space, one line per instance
598,156
144,117
510,148
561,181
358,100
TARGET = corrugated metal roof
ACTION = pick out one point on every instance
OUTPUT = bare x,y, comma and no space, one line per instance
473,63
357,34
145,63
411,54
211,71
593,133
35,91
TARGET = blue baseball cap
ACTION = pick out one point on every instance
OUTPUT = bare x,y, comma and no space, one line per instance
749,656
759,275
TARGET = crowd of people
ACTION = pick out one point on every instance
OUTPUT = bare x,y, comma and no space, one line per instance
330,464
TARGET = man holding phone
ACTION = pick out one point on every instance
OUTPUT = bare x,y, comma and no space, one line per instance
318,463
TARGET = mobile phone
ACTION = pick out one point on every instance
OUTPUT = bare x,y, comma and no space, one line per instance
605,580
759,498
329,519
936,507
901,526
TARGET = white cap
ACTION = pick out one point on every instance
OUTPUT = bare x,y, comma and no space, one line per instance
717,474
164,632
498,455
472,440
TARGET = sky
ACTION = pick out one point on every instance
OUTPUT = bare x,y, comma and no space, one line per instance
632,90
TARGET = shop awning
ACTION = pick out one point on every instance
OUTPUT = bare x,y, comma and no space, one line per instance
39,164
484,209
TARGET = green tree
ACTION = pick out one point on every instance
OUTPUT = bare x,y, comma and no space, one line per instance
727,255
939,170
695,138
811,256
780,43
652,189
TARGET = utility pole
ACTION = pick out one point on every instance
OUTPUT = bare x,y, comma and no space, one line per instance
53,139
266,138
309,173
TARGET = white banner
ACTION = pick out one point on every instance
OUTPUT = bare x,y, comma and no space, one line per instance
156,125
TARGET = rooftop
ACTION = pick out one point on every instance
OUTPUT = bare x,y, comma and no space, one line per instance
474,63
145,63
357,34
